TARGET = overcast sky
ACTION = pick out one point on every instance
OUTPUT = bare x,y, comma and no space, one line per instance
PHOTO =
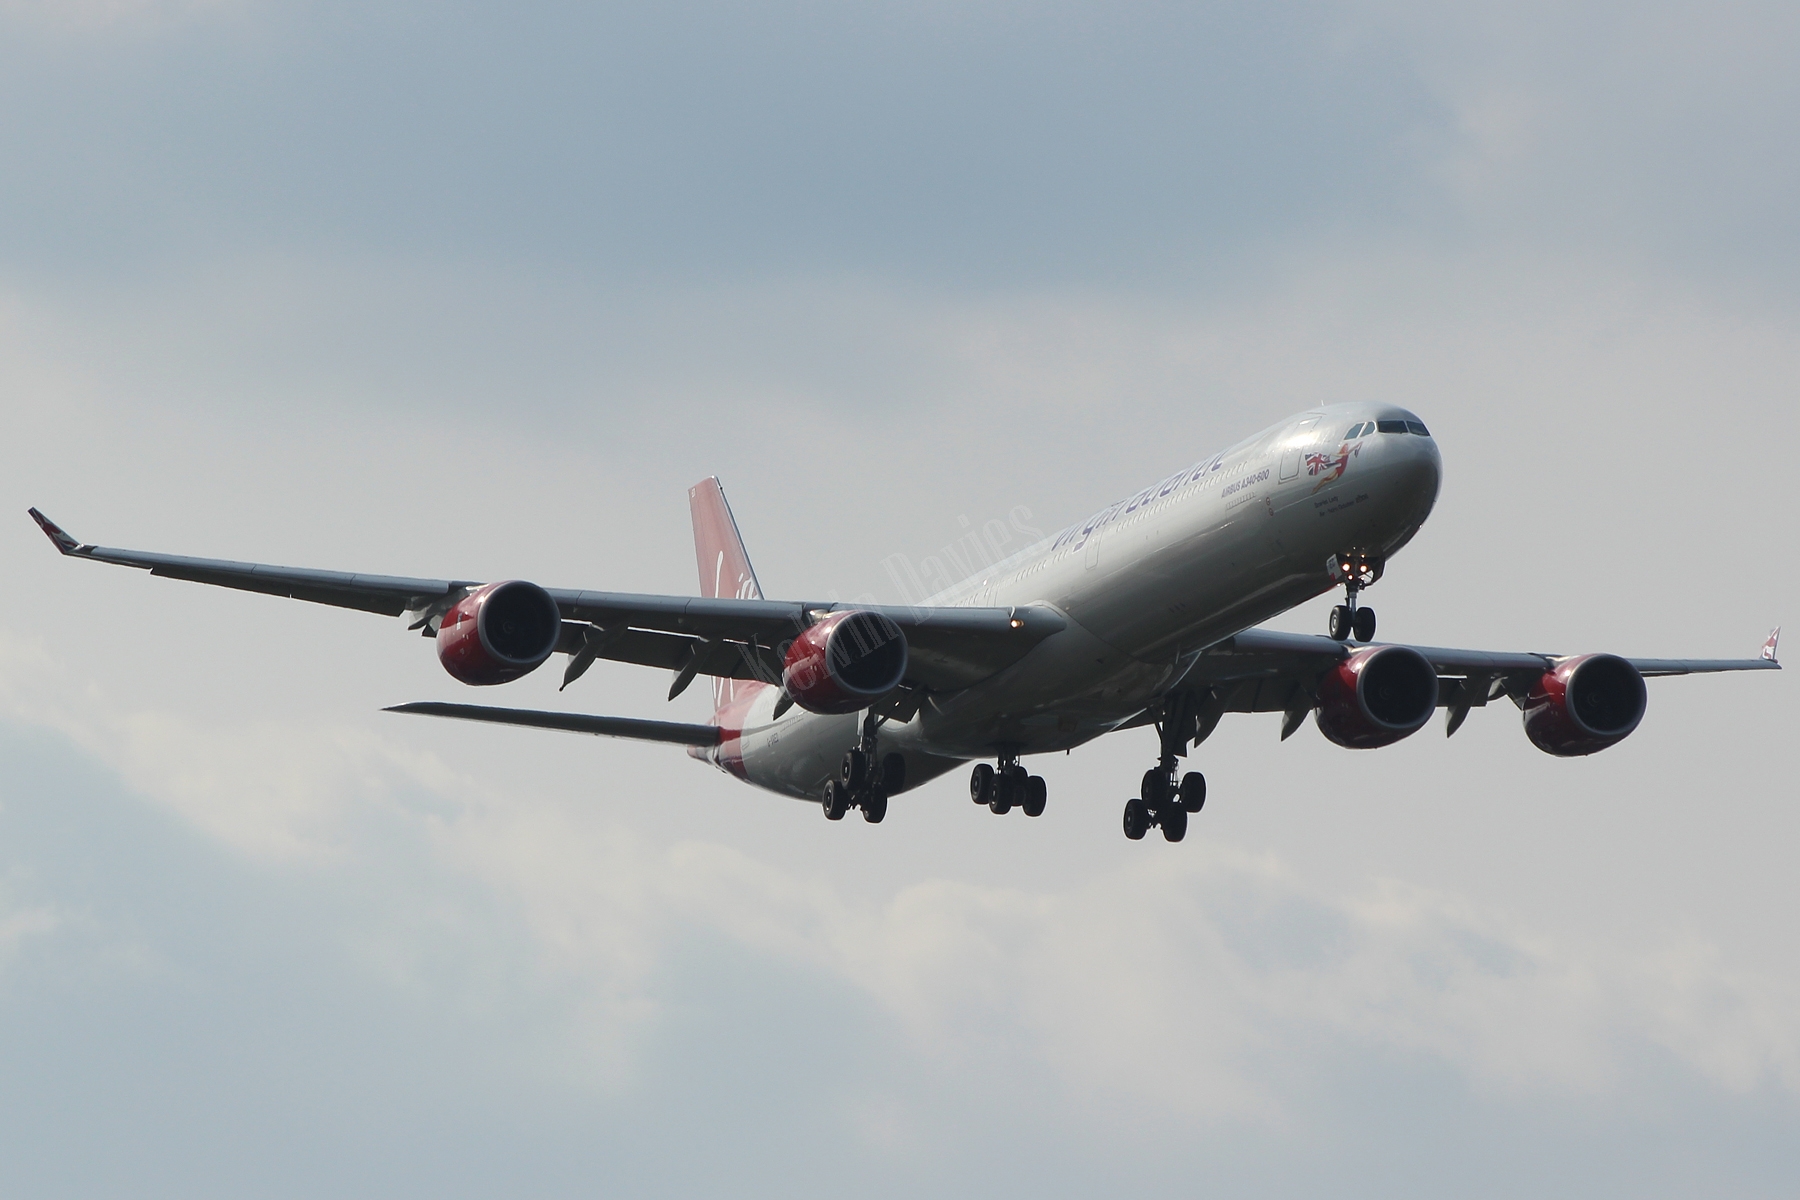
478,291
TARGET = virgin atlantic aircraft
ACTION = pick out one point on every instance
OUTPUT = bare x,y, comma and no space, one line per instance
1146,613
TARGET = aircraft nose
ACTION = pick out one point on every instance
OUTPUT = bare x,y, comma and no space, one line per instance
1416,468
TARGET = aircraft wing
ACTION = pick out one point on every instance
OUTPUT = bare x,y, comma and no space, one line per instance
1263,645
949,648
1261,670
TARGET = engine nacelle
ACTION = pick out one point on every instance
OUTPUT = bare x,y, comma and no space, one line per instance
499,632
845,662
1584,705
1377,696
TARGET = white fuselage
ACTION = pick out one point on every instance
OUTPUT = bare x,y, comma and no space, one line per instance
1145,585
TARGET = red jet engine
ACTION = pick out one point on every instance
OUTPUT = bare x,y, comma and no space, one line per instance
845,662
1583,705
499,632
1377,696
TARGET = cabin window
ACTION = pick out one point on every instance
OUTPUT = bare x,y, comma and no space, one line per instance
1418,427
1391,426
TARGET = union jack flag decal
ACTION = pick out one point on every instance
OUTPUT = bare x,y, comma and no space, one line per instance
1331,467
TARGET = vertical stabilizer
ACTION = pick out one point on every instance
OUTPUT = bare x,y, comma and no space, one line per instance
725,569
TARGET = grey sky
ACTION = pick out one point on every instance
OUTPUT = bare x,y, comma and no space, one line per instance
428,289
994,145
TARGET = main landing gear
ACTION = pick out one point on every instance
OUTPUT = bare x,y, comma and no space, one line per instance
1162,800
864,780
1357,571
1011,784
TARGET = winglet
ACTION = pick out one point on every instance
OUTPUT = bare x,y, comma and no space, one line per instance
1768,650
63,542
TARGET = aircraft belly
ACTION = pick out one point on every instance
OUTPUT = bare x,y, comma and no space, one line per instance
1071,688
798,755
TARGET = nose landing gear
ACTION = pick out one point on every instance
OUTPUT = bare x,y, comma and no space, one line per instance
1356,571
1351,623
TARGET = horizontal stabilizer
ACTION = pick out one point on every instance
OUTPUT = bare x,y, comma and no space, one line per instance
625,727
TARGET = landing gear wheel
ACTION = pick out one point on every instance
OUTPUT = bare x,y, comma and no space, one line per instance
893,773
1036,795
1155,788
981,784
1012,785
1364,625
1173,820
1193,791
1340,623
855,771
874,806
837,801
1137,819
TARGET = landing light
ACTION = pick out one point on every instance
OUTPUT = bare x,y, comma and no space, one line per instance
1018,622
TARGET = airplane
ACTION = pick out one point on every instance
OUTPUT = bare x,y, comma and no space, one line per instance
1145,613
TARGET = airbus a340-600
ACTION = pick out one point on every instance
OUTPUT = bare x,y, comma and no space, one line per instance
1146,613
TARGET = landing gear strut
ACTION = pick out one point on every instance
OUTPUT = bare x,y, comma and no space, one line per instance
866,779
1357,571
1161,799
1000,789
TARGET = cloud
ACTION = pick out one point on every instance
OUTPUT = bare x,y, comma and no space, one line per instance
268,790
1228,958
1643,133
1179,988
18,925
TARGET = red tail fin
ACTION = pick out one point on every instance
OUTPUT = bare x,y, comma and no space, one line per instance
725,569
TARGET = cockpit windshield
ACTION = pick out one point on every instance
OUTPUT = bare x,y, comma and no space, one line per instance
1368,427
